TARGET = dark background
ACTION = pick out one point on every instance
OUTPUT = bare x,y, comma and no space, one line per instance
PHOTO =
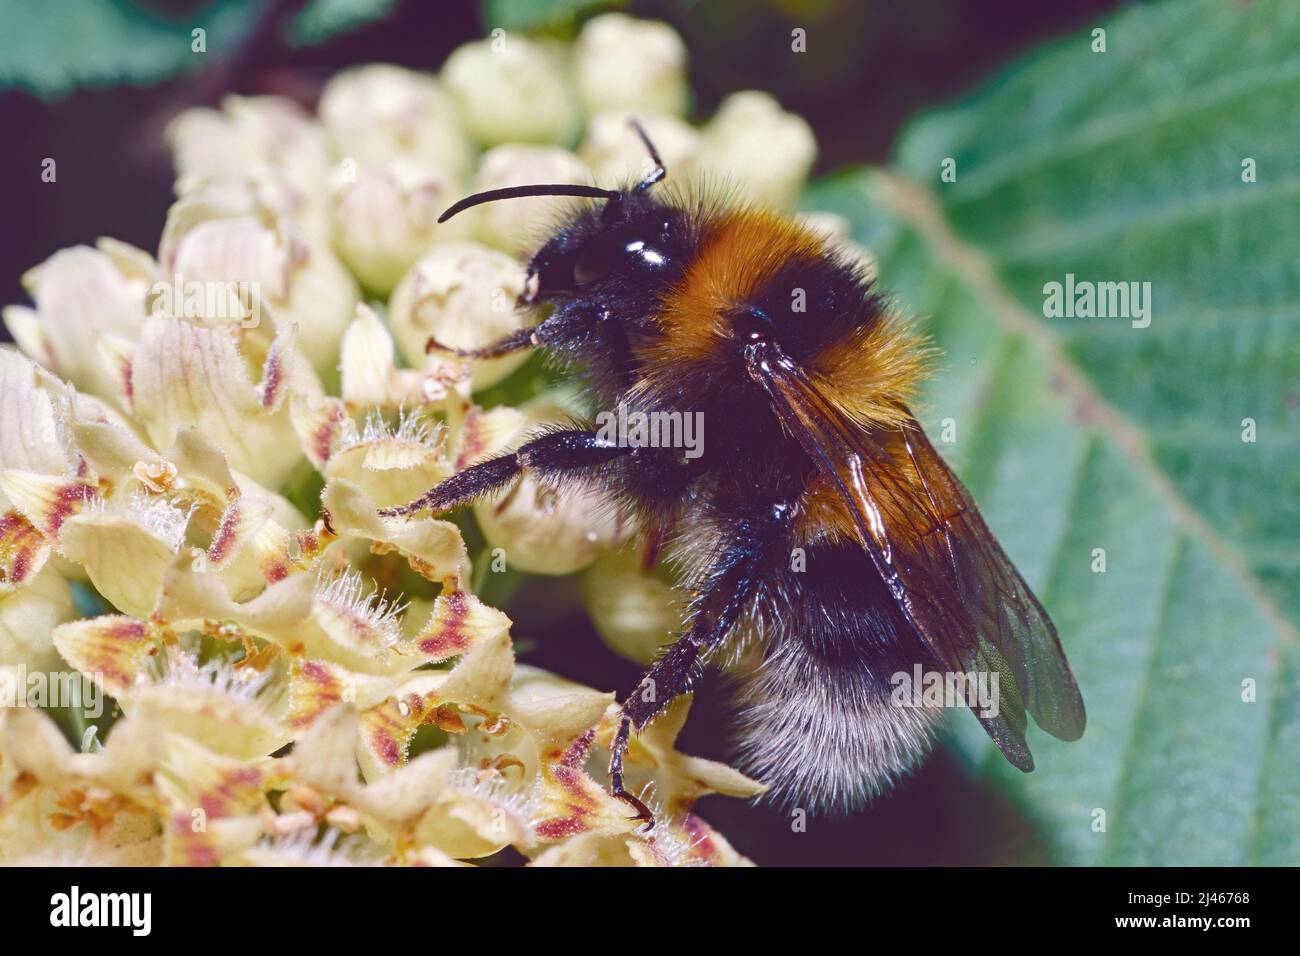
871,65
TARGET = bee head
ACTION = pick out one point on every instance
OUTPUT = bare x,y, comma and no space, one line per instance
629,239
628,232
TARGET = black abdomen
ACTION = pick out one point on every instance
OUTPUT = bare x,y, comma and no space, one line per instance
816,719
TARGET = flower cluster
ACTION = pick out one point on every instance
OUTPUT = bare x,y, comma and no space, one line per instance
196,444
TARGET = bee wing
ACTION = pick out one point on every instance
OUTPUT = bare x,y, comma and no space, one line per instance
949,576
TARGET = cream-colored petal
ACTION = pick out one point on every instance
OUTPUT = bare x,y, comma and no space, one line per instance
24,324
30,435
375,112
679,779
203,463
481,678
325,756
246,134
475,821
390,469
555,711
512,89
111,450
355,626
433,548
369,375
23,552
616,155
318,422
29,614
571,802
194,778
520,226
123,766
66,810
386,213
463,295
637,611
588,849
756,145
47,501
625,63
126,553
458,622
486,433
400,799
316,686
79,293
230,723
114,651
389,726
238,271
193,596
187,375
542,529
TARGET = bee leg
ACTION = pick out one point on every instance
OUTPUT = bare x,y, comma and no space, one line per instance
514,342
552,454
733,583
617,750
670,677
555,330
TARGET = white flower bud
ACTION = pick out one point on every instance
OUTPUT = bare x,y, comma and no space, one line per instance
245,135
235,270
378,113
464,295
542,529
386,215
829,224
837,228
636,611
265,193
81,293
629,64
520,226
617,156
755,144
512,89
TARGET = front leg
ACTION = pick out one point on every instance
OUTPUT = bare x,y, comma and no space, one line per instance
560,327
732,584
551,455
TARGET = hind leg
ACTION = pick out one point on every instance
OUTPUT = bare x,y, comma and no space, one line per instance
732,583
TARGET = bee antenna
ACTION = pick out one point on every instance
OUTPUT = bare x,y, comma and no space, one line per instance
659,171
514,192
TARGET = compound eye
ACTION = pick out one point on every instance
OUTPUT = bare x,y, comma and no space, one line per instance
603,254
599,258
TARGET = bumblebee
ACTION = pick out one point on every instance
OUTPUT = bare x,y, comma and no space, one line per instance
827,546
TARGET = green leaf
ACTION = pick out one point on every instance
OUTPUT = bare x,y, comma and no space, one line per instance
70,43
1077,434
322,19
535,14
